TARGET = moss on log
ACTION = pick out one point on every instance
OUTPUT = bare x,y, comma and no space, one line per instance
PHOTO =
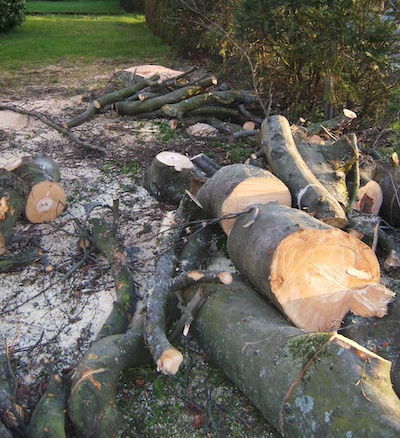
304,384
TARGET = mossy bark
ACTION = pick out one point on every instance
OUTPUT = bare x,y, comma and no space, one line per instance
304,384
92,403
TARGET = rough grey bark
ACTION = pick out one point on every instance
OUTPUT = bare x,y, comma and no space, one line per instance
304,384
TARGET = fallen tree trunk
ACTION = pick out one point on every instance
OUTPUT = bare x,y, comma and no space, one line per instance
235,187
311,271
340,121
304,384
330,163
288,165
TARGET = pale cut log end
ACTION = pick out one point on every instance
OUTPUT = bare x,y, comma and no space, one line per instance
371,301
17,163
349,114
46,201
249,126
3,245
175,160
370,198
195,275
317,276
97,104
254,191
170,361
225,277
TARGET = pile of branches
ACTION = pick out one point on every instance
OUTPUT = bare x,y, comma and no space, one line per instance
180,100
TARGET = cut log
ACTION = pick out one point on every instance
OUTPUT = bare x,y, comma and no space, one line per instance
46,199
235,187
13,193
167,177
370,198
304,384
329,162
388,177
311,271
287,164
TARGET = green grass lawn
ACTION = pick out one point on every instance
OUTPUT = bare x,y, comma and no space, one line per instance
43,40
74,7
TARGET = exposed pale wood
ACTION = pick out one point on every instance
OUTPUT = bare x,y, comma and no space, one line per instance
313,272
370,198
168,176
235,187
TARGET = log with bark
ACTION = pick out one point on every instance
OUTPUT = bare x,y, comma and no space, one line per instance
287,164
314,273
235,187
168,176
304,384
387,175
13,194
340,121
46,199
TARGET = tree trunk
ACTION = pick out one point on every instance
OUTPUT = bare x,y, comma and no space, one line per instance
235,187
341,120
304,384
311,271
288,165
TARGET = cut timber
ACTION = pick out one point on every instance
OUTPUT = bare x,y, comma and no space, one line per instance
387,176
305,385
313,272
13,193
46,200
167,177
288,165
235,187
370,198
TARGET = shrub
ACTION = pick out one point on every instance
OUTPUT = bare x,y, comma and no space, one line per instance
132,5
12,14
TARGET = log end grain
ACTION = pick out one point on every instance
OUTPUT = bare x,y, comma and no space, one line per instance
317,276
170,361
46,201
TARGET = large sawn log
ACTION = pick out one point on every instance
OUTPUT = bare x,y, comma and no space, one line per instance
319,384
235,187
312,272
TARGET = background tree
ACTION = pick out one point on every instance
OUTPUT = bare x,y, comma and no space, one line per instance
12,14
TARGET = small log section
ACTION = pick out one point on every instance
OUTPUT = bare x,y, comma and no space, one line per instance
46,199
235,187
168,177
312,272
13,193
318,384
288,165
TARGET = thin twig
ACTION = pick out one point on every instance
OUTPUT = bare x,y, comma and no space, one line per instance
55,126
